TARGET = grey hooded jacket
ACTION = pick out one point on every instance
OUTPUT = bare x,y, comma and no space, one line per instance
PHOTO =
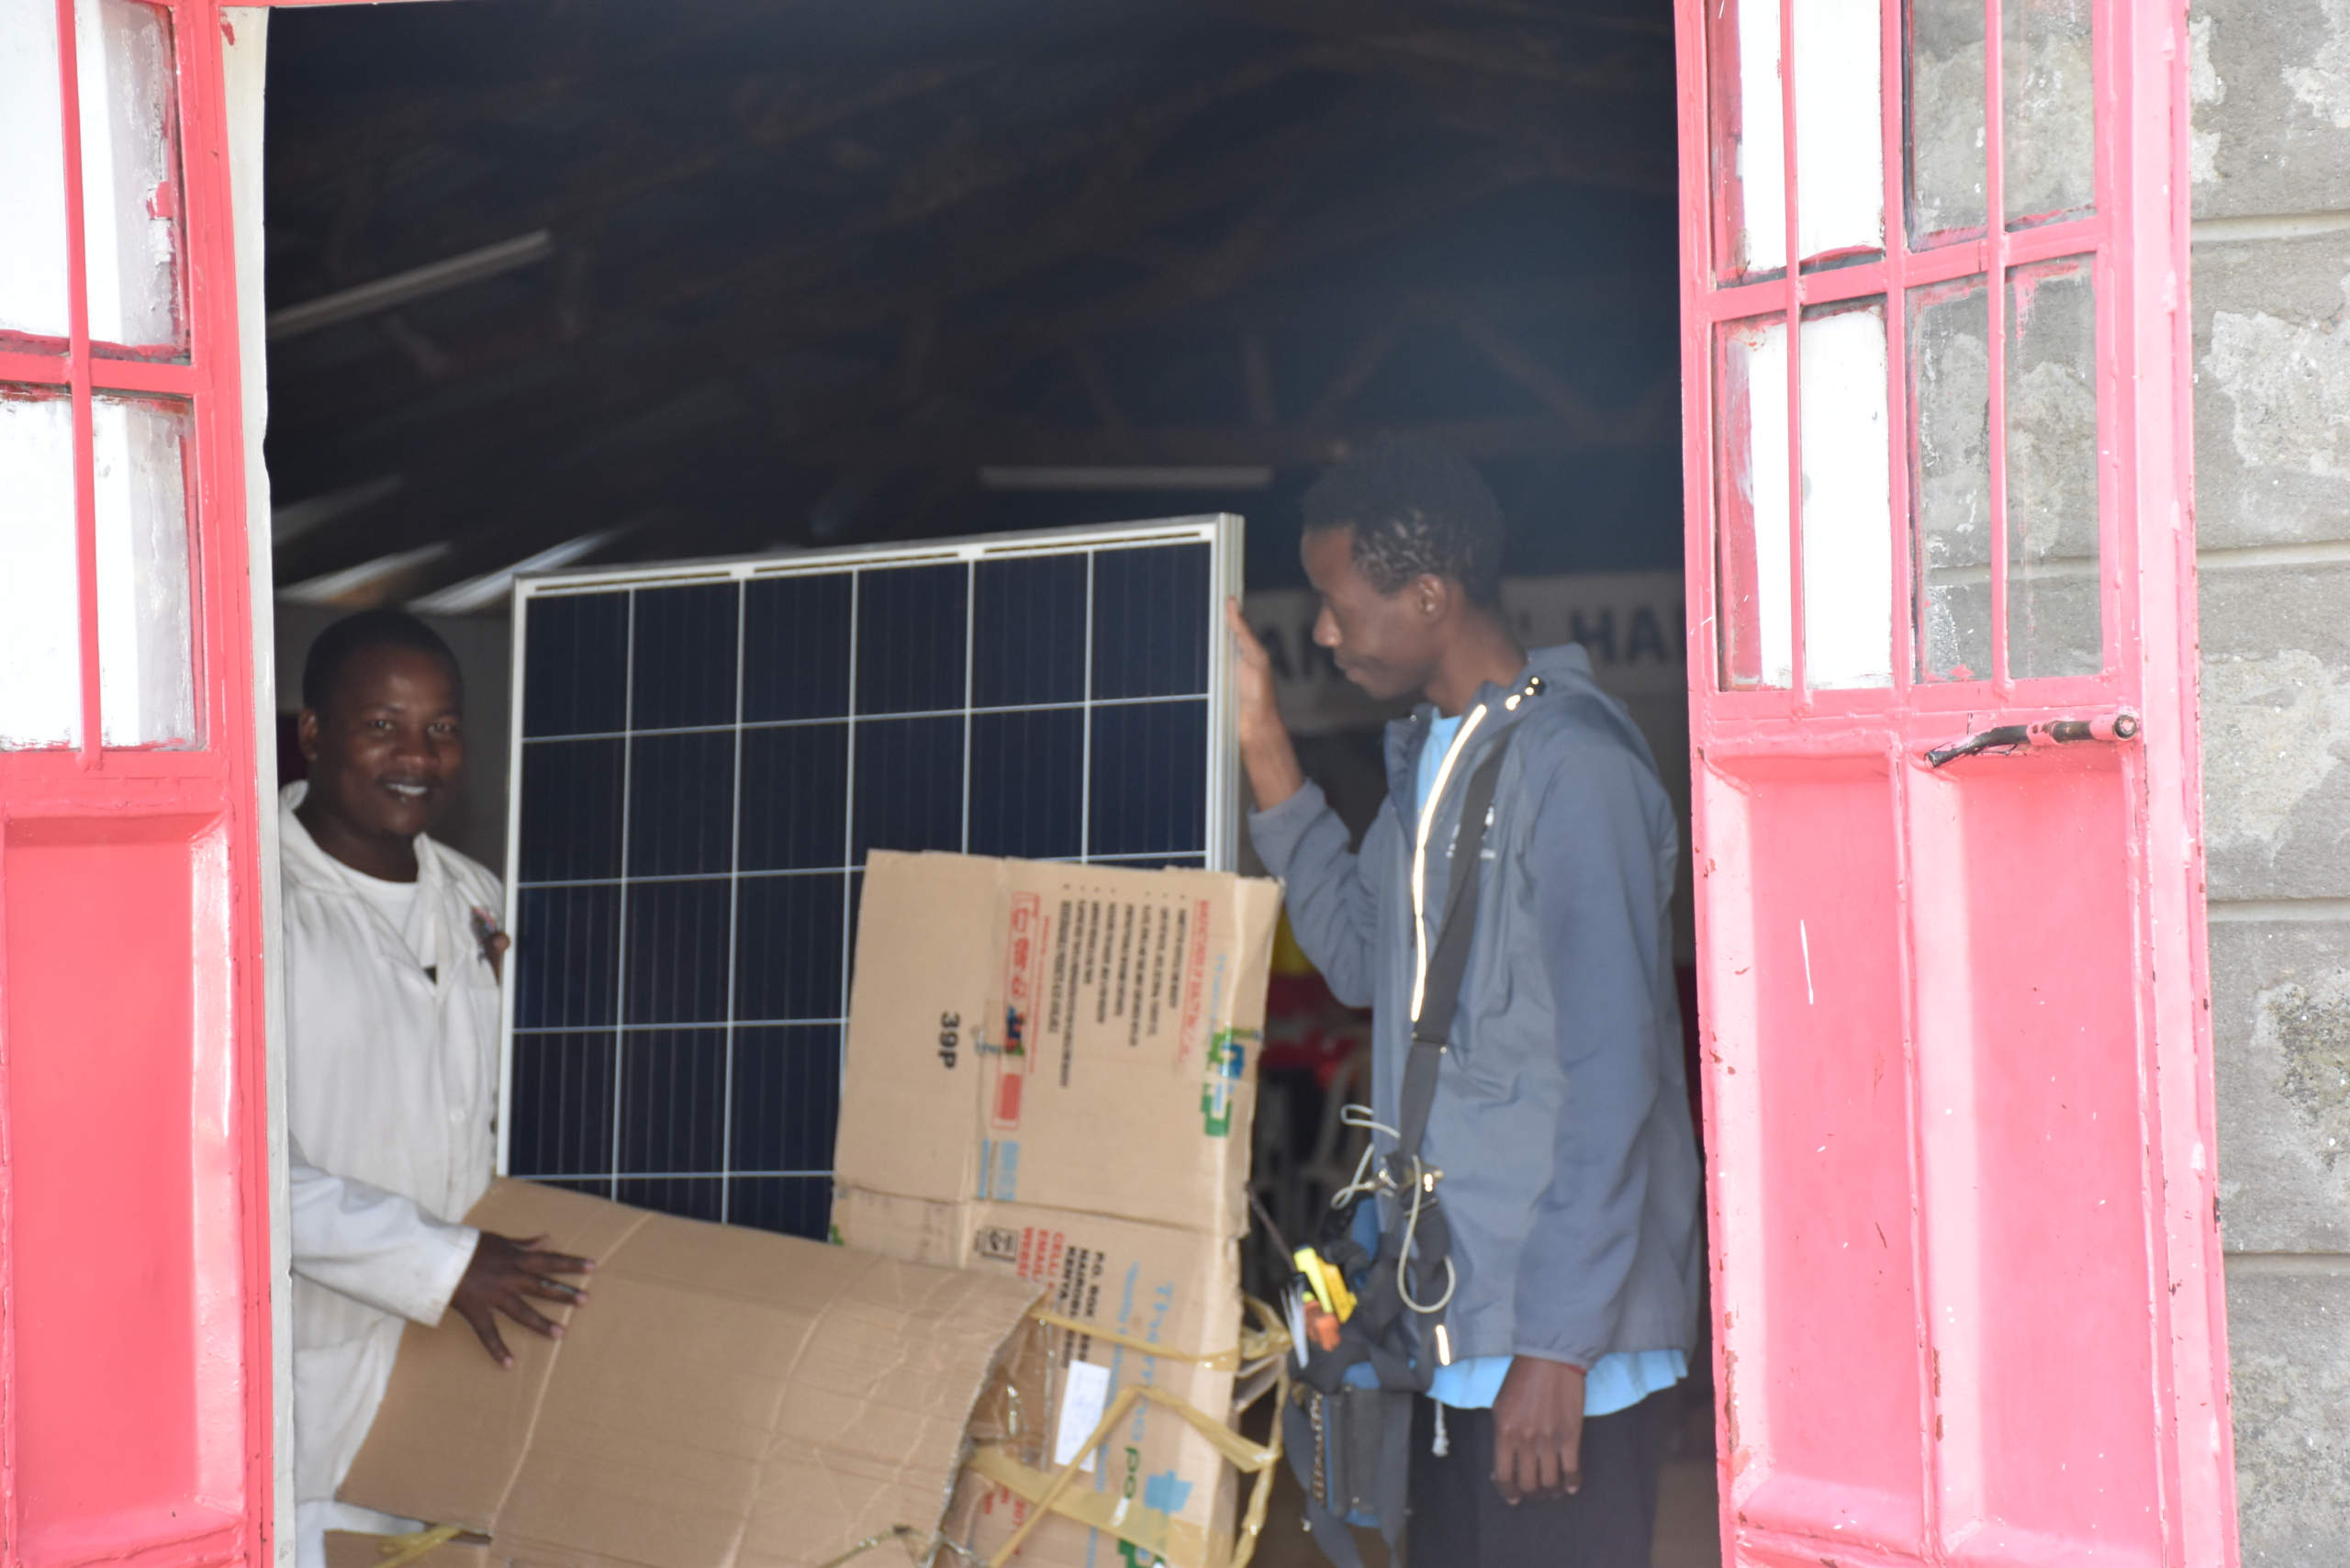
1561,1115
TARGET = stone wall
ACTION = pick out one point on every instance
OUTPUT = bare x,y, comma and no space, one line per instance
2271,90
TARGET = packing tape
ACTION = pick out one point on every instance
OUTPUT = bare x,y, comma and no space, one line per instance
399,1550
1181,1544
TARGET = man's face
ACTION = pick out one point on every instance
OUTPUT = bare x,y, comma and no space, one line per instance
1386,644
386,755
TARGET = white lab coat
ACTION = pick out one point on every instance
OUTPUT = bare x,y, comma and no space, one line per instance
391,1105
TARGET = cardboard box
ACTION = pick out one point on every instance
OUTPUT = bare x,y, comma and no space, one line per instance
1176,1288
728,1398
1077,1038
1051,1072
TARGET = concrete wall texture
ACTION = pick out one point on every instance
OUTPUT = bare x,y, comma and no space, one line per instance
2271,90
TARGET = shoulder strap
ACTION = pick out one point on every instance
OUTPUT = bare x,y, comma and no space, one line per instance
1448,965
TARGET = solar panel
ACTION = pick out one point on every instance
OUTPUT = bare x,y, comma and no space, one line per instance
706,752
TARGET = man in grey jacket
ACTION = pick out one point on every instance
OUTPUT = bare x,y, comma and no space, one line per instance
1560,1121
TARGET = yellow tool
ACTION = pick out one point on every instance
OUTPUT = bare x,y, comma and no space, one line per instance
1328,1285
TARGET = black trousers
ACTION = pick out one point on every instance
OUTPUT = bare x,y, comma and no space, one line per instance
1459,1520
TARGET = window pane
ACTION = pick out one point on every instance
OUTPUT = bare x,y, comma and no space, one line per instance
1840,135
1847,500
40,623
32,182
2052,615
129,172
146,642
2050,117
1946,138
1751,557
1950,402
1750,136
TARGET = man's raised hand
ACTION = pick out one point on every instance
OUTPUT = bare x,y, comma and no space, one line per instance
1265,749
504,1274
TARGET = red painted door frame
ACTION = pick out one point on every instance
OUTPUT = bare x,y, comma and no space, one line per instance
1968,1303
136,1405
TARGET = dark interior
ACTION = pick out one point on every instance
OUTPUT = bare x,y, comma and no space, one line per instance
779,276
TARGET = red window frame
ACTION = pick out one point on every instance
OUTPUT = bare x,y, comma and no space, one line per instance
205,796
1711,304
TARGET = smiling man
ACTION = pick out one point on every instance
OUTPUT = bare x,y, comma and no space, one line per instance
392,957
1558,1123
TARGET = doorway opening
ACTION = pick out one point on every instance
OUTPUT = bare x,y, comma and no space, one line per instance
558,283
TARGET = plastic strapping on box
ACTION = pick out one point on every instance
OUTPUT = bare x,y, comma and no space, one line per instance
1183,1544
398,1551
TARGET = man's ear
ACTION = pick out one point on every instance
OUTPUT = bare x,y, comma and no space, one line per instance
1432,596
306,734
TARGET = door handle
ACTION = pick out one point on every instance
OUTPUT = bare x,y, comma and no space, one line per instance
2119,725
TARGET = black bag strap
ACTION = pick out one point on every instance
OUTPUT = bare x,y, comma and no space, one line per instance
1448,965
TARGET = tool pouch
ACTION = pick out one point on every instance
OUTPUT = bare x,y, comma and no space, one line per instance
1350,1450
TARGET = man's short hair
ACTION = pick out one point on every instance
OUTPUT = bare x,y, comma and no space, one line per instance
355,634
1415,506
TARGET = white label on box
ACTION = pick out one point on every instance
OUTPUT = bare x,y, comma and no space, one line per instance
1081,1408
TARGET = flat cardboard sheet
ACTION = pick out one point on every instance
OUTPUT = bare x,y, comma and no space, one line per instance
1077,1038
726,1397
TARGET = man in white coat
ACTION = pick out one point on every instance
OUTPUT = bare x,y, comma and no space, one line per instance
393,963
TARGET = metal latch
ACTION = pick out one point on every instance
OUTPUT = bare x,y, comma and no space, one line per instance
2119,725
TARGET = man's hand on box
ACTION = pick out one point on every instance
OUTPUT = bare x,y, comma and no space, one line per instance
503,1277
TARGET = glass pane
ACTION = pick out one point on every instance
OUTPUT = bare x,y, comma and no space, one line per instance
1946,135
1847,500
1750,137
146,642
32,173
2053,616
2050,116
40,624
129,172
1950,403
1839,134
1752,558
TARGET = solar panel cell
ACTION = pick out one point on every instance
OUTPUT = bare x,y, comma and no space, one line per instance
1149,794
786,1097
1028,633
788,947
682,657
909,786
575,666
911,641
795,1206
566,970
795,798
675,952
681,803
694,1197
1028,784
796,647
563,1102
570,819
1149,638
672,1100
